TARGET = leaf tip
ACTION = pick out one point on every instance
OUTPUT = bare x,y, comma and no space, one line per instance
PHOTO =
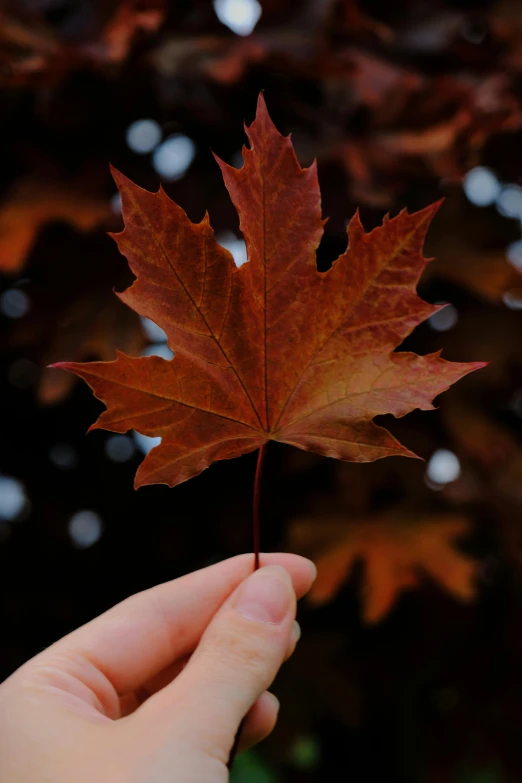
354,226
262,122
469,367
431,210
59,366
119,178
221,163
261,103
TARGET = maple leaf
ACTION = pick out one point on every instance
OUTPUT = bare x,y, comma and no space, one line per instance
273,350
396,553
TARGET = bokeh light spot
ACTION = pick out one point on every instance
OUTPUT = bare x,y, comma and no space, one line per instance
63,456
514,254
153,332
144,442
237,160
13,499
481,186
509,201
241,16
158,349
305,753
85,528
474,31
445,319
115,203
513,299
143,136
14,303
443,467
119,448
172,159
234,245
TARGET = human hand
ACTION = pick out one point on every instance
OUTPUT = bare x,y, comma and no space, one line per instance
117,702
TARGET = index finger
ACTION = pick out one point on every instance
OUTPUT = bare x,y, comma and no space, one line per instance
141,636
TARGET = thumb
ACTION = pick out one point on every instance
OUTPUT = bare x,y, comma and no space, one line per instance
236,661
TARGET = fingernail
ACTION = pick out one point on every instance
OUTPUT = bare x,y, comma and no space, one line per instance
275,701
266,595
296,631
313,569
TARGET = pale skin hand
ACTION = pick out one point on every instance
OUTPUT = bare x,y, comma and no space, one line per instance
117,702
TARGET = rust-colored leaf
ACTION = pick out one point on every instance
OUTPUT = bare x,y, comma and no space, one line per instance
273,350
31,205
396,552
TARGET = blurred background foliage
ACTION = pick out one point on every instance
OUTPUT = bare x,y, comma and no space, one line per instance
410,665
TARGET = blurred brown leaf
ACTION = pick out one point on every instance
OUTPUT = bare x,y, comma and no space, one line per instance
478,437
130,19
89,328
471,251
484,272
422,126
70,283
32,51
396,553
33,203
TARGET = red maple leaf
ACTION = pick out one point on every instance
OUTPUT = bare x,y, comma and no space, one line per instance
273,350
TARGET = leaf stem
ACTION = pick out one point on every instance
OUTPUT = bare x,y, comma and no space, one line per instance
256,528
256,525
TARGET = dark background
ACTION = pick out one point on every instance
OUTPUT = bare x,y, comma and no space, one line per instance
398,102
